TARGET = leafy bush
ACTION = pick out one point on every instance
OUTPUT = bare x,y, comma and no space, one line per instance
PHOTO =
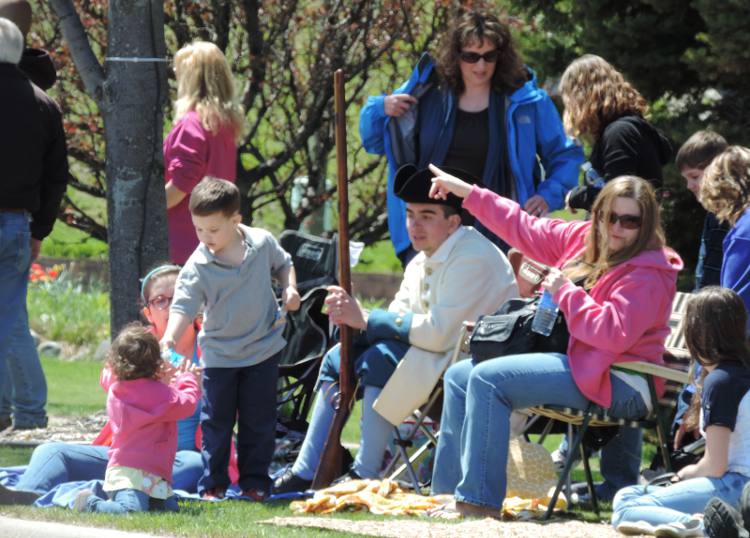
62,310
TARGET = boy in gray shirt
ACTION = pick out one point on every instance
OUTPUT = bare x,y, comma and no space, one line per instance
229,274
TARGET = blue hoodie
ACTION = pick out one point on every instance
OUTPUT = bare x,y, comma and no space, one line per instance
735,269
532,126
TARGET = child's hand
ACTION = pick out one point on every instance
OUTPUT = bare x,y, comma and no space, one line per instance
167,372
290,299
194,368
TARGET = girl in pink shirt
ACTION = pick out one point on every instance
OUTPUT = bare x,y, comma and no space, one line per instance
202,142
145,398
619,313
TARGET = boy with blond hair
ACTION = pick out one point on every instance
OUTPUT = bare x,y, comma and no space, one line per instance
229,274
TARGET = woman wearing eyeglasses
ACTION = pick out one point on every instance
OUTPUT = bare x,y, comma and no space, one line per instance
55,463
619,312
606,110
477,108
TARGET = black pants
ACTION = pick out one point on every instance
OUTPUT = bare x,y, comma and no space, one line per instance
248,395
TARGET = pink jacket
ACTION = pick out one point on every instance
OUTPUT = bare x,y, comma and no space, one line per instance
190,154
143,414
624,317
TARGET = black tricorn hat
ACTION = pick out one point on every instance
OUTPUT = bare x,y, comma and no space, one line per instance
412,185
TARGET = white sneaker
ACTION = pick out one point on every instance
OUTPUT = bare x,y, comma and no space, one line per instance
558,459
689,529
81,501
636,528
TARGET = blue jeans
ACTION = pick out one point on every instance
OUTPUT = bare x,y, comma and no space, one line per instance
22,384
55,463
246,396
130,500
374,365
472,452
677,502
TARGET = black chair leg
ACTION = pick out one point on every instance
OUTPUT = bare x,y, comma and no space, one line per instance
589,480
662,426
569,461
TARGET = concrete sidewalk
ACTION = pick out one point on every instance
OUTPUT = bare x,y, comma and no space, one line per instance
22,528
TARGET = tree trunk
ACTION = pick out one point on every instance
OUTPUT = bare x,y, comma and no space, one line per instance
134,96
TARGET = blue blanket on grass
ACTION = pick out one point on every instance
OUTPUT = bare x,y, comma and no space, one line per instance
64,495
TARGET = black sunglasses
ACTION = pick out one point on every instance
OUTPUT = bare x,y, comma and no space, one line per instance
628,222
473,57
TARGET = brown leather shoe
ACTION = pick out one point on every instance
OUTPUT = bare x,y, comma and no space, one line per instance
12,496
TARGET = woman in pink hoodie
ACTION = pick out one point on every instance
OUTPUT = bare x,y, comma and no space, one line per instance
619,313
145,399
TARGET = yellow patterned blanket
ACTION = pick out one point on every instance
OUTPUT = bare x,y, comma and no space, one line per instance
531,480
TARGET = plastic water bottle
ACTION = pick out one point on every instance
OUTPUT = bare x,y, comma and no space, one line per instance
591,176
172,356
545,315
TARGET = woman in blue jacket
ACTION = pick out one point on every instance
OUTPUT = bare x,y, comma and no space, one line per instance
725,191
478,108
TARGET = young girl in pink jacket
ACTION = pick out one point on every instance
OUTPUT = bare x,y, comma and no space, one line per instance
145,398
619,313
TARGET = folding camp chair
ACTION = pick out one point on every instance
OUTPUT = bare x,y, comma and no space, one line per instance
594,416
306,331
432,410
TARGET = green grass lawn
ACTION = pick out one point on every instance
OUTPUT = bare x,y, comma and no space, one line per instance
73,387
195,519
74,391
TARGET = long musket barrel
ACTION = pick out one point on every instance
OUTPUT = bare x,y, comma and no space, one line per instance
331,460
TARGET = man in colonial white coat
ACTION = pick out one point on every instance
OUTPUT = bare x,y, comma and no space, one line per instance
401,352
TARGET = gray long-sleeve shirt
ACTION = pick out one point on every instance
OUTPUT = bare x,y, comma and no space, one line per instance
240,307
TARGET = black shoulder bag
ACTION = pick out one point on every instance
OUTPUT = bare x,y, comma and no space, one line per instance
508,332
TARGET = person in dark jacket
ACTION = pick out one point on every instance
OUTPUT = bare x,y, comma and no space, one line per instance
604,108
35,175
35,63
476,108
692,159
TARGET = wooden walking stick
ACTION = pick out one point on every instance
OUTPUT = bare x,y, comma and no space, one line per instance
331,461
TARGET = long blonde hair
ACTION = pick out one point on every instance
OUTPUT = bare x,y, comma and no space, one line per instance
595,94
725,189
205,84
597,259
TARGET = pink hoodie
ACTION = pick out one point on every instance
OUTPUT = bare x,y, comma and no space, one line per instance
143,414
625,315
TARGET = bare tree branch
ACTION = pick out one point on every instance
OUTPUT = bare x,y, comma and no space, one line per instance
88,66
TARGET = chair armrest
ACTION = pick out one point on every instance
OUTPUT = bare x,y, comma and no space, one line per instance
657,370
678,353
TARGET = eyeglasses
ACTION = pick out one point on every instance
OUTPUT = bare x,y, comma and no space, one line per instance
473,57
160,302
628,222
